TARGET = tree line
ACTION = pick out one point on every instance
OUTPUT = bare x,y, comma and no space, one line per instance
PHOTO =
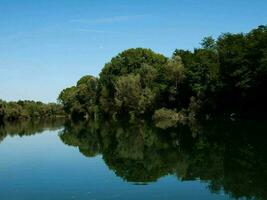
13,111
223,77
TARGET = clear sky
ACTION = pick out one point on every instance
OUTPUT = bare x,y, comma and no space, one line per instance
47,45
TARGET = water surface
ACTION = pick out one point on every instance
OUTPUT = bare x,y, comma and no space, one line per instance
56,160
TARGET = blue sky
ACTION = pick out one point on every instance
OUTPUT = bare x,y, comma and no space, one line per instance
47,45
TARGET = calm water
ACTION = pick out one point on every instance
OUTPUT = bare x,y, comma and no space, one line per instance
56,160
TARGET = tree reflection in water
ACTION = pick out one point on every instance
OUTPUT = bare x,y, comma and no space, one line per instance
229,156
29,127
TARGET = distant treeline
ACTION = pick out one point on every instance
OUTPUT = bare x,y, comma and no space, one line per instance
224,77
12,111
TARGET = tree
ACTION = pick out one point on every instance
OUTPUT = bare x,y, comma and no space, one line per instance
208,43
130,96
68,97
201,75
243,71
222,77
2,110
174,75
87,88
140,61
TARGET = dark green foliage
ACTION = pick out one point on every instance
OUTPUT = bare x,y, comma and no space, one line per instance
143,68
201,69
227,76
80,101
130,61
243,71
2,110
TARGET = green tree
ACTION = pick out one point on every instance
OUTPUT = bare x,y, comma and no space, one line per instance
130,96
174,74
2,110
87,88
222,77
68,98
131,61
243,71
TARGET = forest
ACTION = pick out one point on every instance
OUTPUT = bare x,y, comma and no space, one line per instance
224,77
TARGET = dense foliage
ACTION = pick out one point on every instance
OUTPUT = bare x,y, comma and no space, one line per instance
227,76
12,111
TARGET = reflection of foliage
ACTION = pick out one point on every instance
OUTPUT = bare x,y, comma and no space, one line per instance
142,153
83,137
28,127
229,158
166,118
